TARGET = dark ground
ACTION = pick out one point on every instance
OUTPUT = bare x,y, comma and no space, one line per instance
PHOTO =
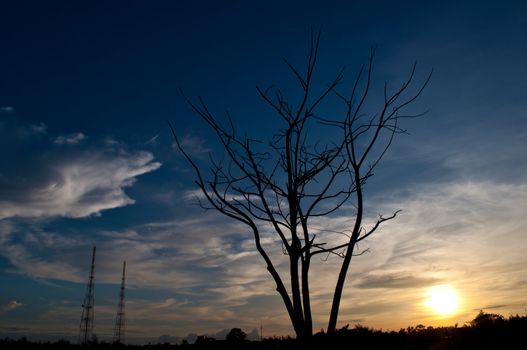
486,331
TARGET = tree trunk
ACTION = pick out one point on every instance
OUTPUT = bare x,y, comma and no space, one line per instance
332,324
306,297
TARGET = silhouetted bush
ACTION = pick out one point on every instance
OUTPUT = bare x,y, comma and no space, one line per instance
236,335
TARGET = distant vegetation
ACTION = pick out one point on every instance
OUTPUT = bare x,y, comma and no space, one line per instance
486,331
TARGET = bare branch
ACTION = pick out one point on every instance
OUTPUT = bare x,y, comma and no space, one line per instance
377,224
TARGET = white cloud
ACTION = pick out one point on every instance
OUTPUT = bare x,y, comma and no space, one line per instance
45,181
38,128
70,139
81,186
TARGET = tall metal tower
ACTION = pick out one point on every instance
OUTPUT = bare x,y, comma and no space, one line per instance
118,332
86,326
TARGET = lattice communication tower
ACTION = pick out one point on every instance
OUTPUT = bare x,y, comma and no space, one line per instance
86,325
118,333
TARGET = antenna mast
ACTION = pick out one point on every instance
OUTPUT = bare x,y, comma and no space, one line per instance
118,333
86,325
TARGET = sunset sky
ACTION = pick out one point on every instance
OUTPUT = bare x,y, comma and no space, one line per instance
87,88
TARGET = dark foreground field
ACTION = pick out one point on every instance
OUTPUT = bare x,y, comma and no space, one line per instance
486,331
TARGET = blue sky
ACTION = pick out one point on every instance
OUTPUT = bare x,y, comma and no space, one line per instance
86,91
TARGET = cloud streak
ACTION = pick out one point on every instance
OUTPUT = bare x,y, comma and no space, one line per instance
394,281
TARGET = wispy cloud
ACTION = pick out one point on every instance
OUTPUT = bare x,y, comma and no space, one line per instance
394,280
70,139
13,132
39,128
7,109
79,186
467,234
11,305
33,252
75,183
193,145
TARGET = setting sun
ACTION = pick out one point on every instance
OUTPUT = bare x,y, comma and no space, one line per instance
443,300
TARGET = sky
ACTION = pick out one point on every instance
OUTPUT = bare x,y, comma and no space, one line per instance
87,89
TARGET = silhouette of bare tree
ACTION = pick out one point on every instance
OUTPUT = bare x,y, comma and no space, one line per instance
299,176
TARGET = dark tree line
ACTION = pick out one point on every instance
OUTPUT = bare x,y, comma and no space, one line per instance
486,331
